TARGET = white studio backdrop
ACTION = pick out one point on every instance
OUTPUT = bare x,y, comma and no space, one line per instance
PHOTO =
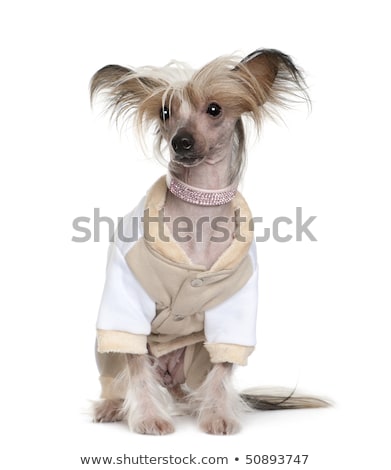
323,305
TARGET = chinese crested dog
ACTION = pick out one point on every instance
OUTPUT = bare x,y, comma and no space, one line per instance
179,305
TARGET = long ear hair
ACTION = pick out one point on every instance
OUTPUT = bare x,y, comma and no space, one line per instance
124,90
138,95
272,81
267,80
257,86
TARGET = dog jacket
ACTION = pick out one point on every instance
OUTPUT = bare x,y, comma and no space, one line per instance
156,301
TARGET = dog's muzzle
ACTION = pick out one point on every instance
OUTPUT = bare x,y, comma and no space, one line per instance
183,145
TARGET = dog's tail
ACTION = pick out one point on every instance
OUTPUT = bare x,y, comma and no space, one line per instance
280,399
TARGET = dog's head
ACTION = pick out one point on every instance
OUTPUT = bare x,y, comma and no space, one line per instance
198,114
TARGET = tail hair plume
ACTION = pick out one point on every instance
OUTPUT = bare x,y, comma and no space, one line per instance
280,399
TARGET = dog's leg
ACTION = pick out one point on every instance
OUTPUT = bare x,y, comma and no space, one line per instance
217,403
144,403
108,411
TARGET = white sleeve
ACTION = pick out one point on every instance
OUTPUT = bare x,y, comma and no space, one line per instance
125,306
234,320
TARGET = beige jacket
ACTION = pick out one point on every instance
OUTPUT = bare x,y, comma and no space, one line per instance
156,300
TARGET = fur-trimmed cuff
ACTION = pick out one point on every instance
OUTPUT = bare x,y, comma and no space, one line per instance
234,353
121,342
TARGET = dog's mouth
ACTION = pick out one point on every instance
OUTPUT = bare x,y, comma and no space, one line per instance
188,161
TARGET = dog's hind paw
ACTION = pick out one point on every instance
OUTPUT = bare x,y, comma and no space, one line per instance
155,426
219,425
108,411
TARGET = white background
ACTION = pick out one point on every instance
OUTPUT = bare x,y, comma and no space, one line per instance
323,307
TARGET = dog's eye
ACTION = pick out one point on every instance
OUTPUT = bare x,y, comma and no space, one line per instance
214,109
164,113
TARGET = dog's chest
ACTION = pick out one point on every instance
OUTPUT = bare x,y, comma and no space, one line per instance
203,234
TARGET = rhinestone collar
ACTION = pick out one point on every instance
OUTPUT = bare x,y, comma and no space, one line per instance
200,197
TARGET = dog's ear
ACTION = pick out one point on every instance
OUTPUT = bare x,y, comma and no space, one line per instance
123,88
106,77
279,80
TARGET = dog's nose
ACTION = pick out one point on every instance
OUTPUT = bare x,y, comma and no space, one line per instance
182,143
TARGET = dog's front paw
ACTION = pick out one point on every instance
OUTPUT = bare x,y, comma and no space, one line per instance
155,426
216,424
108,411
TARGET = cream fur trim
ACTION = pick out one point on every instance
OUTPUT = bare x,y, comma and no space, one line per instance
234,353
156,198
121,342
171,250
